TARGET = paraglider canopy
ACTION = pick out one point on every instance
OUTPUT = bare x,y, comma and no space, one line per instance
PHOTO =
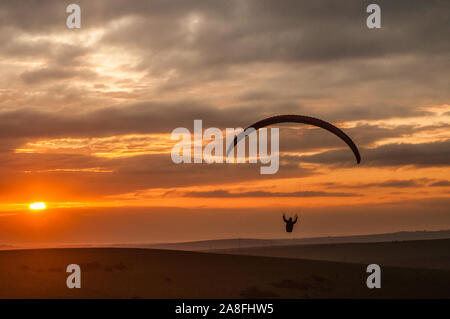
292,118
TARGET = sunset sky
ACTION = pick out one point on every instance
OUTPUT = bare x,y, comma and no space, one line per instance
86,117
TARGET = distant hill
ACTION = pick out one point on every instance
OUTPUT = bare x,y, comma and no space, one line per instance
433,253
211,245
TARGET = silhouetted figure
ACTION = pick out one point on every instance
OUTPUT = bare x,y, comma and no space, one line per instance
289,223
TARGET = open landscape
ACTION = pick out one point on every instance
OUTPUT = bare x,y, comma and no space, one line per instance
433,254
294,271
186,149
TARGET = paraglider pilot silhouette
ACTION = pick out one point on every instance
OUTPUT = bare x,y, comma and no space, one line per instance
293,118
290,223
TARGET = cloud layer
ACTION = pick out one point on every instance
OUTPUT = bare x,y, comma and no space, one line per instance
86,115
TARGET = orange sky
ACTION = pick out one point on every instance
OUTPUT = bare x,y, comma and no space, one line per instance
86,117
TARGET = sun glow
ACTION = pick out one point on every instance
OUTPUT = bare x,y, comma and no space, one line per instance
38,206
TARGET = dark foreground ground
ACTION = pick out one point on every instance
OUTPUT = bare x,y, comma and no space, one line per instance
433,254
146,273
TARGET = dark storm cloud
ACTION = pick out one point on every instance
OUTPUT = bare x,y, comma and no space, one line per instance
363,135
228,194
151,117
371,111
54,74
253,30
50,15
256,31
163,36
229,33
422,155
147,117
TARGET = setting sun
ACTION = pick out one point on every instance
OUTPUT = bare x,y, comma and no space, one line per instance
37,206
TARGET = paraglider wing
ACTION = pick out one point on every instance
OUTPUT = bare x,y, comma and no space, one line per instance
292,118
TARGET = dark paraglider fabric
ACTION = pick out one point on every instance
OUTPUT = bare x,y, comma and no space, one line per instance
292,118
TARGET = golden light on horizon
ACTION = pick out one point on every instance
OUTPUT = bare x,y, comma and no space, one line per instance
38,206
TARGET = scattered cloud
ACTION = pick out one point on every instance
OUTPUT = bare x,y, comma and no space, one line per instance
421,155
442,183
228,194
